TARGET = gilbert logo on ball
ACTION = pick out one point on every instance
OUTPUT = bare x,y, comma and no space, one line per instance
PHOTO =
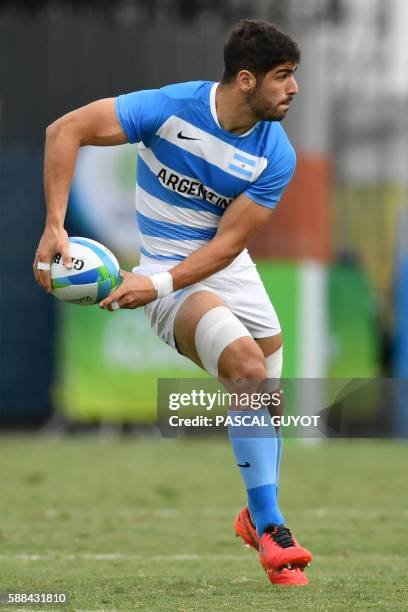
94,273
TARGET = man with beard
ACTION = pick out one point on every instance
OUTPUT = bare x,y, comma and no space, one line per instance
213,162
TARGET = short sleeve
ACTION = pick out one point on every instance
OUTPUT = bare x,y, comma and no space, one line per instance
139,113
267,190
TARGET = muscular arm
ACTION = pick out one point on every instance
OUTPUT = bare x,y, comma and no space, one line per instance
94,124
238,226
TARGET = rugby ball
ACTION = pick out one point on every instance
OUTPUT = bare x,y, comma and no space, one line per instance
94,273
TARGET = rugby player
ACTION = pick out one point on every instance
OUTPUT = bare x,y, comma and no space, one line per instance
213,162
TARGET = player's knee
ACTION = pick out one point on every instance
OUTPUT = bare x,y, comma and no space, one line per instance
221,338
253,369
242,362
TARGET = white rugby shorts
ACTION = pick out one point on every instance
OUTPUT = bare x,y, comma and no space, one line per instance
238,285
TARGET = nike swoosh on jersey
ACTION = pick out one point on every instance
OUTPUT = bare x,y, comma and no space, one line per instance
180,135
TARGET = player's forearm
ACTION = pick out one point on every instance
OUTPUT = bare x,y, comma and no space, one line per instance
61,150
216,255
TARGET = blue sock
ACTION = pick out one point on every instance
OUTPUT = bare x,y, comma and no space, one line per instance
278,464
256,451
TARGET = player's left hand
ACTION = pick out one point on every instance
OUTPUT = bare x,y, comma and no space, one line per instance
134,291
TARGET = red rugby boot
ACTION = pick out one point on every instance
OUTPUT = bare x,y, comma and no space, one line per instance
287,577
278,549
244,529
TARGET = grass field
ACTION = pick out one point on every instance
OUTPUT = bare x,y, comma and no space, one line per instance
136,524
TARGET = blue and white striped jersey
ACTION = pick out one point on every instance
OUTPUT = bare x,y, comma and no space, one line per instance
189,168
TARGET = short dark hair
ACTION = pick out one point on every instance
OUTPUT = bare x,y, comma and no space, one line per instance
257,46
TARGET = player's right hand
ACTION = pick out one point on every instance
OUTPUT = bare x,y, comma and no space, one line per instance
53,241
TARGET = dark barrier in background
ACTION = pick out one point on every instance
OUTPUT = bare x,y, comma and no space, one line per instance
27,314
57,60
53,59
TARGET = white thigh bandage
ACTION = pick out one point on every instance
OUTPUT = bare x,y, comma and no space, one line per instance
214,332
274,365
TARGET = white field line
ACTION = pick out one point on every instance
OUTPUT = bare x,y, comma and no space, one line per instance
172,513
117,557
354,513
160,558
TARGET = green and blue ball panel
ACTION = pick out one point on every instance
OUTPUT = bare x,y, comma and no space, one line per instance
94,273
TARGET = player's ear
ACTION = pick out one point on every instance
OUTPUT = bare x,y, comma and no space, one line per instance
246,81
